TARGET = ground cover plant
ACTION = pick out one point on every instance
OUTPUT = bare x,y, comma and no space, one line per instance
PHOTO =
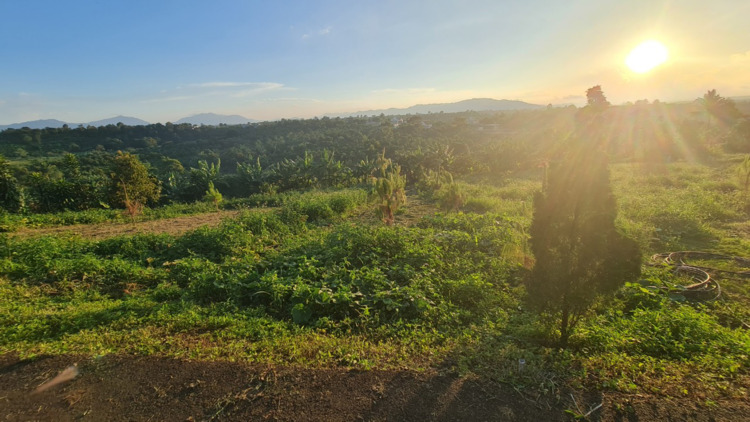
313,278
300,284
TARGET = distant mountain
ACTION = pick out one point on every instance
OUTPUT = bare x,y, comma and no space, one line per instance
128,121
475,104
35,124
212,119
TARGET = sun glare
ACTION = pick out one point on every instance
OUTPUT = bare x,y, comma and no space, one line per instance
646,56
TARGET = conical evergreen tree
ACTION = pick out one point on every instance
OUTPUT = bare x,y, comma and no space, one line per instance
579,252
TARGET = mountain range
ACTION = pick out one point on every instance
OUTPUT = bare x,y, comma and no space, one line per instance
215,119
212,119
474,104
198,119
128,121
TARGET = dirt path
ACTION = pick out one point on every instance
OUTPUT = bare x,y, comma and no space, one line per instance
115,388
177,225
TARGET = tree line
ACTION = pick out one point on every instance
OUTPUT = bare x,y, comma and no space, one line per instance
48,170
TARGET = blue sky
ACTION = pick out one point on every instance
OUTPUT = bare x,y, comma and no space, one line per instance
80,61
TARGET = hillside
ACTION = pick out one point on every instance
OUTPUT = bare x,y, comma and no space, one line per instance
129,121
476,104
212,119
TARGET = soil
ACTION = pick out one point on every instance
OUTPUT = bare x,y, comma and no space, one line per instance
128,388
174,226
114,388
409,215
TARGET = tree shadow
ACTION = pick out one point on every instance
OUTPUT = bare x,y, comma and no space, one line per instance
451,397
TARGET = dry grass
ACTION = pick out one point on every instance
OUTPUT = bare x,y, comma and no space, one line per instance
174,226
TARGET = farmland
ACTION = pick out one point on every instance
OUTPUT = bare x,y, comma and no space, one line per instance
294,274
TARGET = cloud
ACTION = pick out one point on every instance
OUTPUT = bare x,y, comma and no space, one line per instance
321,32
216,89
573,97
261,87
231,84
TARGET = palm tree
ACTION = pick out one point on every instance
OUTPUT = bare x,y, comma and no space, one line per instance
718,109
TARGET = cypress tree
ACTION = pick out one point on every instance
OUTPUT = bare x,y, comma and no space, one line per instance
579,252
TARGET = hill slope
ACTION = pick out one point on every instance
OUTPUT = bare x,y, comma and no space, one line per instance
213,119
475,104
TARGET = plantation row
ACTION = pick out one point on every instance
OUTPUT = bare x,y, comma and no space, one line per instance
54,170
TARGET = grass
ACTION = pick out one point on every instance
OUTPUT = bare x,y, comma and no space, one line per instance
306,285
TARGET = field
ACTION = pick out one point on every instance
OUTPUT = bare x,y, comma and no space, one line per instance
379,268
327,314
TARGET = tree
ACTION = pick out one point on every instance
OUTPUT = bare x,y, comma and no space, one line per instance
578,250
390,188
595,98
11,195
131,184
213,195
743,172
591,120
718,107
738,138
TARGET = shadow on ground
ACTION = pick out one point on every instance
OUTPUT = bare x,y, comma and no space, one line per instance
129,388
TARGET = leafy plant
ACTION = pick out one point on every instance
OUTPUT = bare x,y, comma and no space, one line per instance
390,188
131,184
453,198
743,172
213,195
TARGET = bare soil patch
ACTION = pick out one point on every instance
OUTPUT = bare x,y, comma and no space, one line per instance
115,388
174,226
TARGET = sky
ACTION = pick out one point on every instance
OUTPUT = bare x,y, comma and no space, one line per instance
161,60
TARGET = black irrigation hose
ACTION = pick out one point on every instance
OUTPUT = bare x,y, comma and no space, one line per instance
705,288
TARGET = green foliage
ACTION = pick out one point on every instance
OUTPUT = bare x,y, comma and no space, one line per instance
738,138
578,250
390,188
310,280
213,196
743,172
199,180
595,99
453,198
11,194
131,184
720,108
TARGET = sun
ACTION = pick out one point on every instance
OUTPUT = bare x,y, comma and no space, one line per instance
646,56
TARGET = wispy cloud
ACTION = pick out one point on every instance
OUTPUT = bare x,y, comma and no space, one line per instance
216,89
233,84
321,32
260,88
